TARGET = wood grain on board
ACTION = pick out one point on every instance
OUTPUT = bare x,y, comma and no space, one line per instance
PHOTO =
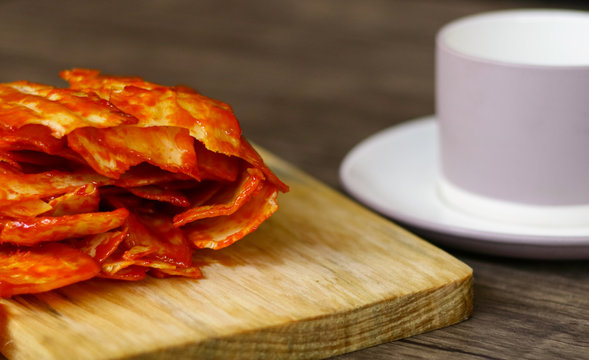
323,276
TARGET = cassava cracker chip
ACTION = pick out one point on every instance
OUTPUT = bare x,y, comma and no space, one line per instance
119,178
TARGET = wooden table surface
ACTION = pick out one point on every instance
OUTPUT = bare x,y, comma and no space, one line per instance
308,80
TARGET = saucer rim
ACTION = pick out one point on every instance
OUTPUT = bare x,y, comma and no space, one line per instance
494,242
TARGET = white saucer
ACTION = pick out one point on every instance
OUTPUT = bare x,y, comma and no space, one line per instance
394,172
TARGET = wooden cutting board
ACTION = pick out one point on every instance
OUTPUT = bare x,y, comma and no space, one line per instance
323,276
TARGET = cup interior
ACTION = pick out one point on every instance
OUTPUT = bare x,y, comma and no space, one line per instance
527,37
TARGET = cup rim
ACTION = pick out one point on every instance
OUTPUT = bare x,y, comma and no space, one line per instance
465,20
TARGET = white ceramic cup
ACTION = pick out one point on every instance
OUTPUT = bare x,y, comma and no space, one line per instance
512,102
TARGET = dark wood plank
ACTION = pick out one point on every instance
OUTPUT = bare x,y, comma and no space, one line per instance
308,80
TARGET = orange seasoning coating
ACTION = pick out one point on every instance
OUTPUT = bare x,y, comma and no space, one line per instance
119,178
